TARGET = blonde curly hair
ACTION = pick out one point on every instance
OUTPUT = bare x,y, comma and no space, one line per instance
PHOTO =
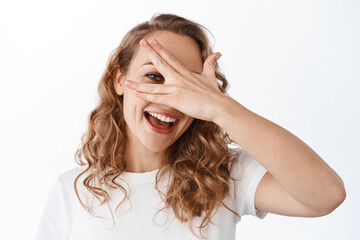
200,161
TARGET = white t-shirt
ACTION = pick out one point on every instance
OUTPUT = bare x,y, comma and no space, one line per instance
65,218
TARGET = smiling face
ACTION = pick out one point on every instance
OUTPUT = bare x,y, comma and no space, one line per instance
139,133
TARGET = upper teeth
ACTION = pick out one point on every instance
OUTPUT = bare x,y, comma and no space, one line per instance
162,117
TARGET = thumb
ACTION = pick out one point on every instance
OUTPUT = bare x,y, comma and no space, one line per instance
209,64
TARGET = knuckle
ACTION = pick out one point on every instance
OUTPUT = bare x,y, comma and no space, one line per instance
161,61
161,50
211,63
171,58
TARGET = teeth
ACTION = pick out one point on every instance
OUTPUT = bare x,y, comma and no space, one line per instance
162,117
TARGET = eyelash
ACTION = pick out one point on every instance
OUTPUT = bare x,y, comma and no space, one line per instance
154,74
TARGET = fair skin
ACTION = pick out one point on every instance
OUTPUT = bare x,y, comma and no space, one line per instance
298,181
145,148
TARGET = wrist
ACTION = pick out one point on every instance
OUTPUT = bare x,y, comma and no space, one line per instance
226,110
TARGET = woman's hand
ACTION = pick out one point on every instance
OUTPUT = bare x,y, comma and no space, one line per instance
196,95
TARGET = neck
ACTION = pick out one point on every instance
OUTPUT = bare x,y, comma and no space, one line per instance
140,159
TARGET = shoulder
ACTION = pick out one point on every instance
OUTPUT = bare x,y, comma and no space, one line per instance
64,182
71,174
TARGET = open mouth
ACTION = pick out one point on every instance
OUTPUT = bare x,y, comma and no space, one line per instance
157,123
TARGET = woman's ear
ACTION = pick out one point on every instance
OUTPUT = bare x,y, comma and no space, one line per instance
118,81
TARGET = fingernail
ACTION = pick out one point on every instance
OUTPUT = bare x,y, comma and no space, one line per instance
144,42
218,56
154,42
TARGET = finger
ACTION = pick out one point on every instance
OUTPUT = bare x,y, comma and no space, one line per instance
159,63
170,59
148,87
210,63
156,98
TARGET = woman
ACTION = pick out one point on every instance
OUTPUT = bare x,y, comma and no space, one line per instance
155,161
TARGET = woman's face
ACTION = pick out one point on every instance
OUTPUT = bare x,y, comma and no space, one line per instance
139,132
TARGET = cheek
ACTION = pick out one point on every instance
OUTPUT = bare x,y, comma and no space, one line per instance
129,104
133,106
129,96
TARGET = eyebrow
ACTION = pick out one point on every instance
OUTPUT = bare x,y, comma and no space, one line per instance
150,63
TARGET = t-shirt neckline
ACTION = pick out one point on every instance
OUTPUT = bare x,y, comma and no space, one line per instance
140,178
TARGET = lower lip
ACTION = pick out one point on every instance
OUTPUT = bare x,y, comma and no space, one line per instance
160,130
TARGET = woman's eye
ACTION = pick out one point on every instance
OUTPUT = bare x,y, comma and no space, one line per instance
154,77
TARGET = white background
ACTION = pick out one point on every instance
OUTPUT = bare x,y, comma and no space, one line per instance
295,63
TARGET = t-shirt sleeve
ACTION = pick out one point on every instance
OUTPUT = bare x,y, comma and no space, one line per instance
53,224
250,172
